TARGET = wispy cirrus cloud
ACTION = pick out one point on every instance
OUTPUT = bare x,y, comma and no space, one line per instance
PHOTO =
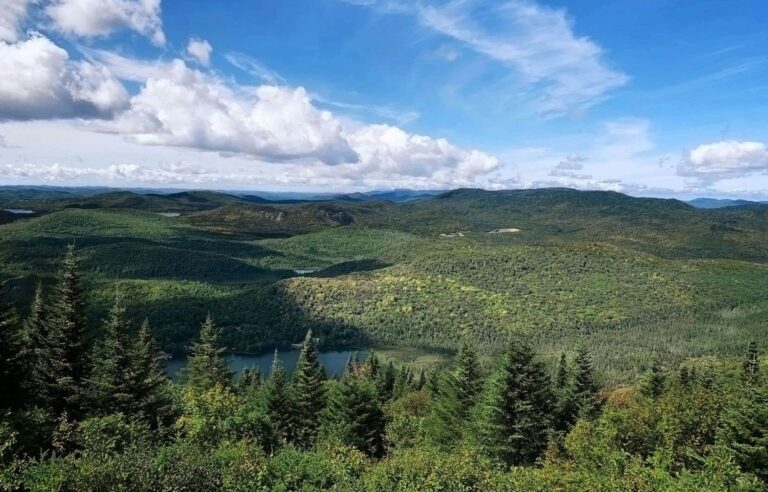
560,71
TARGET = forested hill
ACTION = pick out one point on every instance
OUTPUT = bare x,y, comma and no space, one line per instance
558,264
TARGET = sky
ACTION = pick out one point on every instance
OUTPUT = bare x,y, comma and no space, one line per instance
646,97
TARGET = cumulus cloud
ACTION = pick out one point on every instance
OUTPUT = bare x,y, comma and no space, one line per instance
188,108
11,15
38,80
389,150
726,159
200,50
96,18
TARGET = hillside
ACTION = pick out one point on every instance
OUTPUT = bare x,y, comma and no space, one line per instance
560,264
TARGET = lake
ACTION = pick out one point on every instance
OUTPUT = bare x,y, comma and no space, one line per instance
333,361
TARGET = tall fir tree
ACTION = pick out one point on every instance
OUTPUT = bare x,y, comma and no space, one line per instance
113,384
308,388
250,381
277,401
744,431
354,414
563,375
456,396
653,383
751,363
206,366
35,334
11,363
585,388
153,395
513,419
64,363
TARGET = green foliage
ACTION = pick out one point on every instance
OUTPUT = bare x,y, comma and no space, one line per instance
308,392
206,367
514,417
744,431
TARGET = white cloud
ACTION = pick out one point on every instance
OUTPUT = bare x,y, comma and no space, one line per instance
96,18
11,15
200,50
188,108
38,80
388,150
254,67
726,159
562,72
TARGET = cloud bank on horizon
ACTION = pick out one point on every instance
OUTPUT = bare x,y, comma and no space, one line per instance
429,94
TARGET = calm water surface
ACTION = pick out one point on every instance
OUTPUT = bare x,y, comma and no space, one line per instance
333,361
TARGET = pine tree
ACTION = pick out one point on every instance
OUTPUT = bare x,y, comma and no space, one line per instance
206,366
514,417
744,431
277,400
653,382
467,375
34,339
584,386
308,393
456,396
371,367
562,379
354,415
63,362
751,363
386,380
250,381
11,365
153,386
113,385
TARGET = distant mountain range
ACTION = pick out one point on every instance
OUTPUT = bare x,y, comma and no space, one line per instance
722,202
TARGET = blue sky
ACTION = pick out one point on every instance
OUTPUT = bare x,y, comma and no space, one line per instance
649,97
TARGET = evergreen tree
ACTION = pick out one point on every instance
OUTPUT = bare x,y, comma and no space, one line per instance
11,365
514,417
386,380
653,382
113,386
584,386
467,376
562,379
277,400
35,335
308,393
63,362
153,394
354,415
751,363
206,366
684,375
455,398
250,381
371,367
744,431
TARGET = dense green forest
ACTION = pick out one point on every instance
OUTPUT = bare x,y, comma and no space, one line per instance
632,277
91,409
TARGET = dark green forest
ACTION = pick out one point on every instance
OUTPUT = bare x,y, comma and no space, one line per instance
93,410
518,340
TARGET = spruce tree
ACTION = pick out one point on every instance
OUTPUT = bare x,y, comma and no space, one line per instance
653,382
584,386
250,381
113,386
467,375
11,365
35,335
562,378
744,431
63,362
308,393
277,400
354,414
514,417
206,367
153,394
386,380
751,363
456,396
